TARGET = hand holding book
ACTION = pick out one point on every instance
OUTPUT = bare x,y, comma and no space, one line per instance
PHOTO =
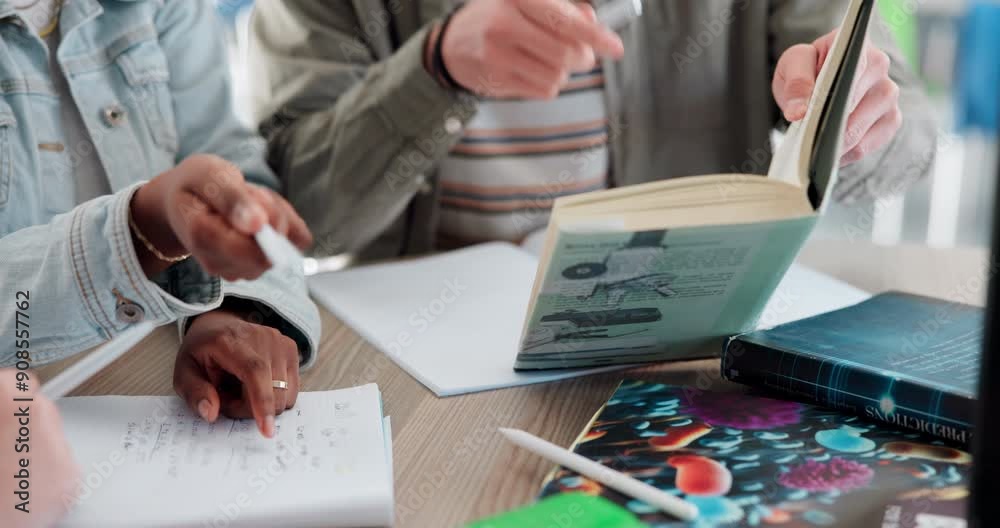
874,116
664,270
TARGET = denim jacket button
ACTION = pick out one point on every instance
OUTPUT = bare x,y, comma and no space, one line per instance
130,313
114,115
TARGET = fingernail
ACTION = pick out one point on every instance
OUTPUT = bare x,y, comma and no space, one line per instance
204,410
243,217
269,426
797,108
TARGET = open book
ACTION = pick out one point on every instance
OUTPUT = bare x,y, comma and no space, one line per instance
149,461
453,320
658,271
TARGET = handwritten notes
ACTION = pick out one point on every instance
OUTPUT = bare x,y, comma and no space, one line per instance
148,461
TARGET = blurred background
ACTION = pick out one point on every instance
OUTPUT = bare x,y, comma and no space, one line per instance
954,45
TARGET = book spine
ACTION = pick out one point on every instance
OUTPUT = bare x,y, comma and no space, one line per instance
850,389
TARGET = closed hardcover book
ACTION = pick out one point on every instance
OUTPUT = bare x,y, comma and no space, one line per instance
903,359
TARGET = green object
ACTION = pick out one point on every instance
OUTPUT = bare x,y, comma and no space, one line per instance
901,18
566,510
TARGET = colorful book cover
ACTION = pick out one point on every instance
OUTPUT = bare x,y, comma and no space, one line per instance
904,359
752,461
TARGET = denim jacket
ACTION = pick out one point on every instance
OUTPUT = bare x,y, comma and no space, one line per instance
151,82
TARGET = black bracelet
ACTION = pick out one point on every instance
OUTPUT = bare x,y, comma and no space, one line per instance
437,58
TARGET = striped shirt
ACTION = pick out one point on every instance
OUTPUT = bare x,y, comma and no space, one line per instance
517,156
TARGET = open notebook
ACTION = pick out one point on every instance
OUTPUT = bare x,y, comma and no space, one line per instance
148,461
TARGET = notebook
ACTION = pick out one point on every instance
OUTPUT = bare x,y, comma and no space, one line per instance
148,461
453,320
753,461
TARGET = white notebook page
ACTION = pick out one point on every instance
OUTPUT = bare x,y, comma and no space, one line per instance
148,461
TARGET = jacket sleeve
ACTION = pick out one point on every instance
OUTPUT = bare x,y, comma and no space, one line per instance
354,125
190,33
910,155
75,273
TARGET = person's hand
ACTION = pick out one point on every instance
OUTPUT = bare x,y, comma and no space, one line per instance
205,207
524,48
226,364
875,116
52,473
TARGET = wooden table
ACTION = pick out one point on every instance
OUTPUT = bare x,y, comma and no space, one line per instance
451,466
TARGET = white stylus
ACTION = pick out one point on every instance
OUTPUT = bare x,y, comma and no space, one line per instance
613,479
278,249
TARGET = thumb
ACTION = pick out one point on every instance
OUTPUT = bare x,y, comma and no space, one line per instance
794,80
193,385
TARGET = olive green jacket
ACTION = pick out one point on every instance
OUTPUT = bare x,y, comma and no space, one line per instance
356,125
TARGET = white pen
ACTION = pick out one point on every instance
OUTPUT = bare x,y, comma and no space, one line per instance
613,479
616,14
278,249
82,370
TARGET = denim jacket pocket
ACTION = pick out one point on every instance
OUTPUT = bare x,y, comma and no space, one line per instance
144,66
7,125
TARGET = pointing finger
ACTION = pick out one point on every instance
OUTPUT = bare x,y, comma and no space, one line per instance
566,21
254,372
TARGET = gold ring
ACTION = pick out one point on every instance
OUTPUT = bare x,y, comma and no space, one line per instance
278,384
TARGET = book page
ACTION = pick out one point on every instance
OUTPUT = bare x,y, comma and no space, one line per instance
149,461
631,296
